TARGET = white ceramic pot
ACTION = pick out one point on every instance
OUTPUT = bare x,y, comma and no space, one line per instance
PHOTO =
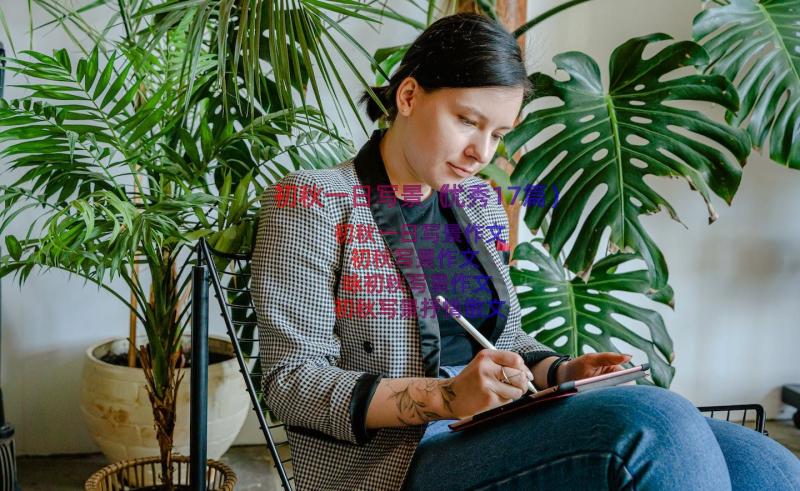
117,411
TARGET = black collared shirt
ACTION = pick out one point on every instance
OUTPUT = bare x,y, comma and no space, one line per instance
454,273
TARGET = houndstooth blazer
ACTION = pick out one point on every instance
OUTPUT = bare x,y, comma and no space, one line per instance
318,365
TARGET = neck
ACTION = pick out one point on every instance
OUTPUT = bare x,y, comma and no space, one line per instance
397,167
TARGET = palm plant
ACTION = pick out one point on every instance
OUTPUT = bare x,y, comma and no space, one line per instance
276,51
88,144
127,164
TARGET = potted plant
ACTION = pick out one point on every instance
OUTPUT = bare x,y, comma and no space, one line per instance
170,133
119,157
94,143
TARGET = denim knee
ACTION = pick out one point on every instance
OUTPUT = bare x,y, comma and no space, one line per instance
634,405
661,437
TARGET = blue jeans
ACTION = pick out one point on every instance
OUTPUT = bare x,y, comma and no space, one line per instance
624,437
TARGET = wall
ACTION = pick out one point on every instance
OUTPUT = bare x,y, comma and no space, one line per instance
736,281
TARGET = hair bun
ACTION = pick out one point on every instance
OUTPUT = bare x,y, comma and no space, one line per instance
374,111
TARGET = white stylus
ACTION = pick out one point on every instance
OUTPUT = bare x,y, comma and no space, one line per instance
463,322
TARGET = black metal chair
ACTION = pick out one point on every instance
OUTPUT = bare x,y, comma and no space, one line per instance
229,275
739,413
230,279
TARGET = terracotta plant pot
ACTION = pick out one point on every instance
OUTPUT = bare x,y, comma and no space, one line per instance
140,474
117,411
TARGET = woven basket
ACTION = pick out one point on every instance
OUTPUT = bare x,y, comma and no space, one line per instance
140,473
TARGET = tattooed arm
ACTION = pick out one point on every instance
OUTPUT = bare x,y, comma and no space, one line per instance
410,401
414,401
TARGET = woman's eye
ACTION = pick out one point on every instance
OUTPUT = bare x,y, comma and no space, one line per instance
469,122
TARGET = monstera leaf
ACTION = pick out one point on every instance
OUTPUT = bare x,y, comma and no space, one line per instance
758,44
589,311
611,141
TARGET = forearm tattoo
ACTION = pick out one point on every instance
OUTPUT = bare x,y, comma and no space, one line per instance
415,409
448,394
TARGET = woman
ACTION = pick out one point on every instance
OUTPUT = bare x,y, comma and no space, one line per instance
366,371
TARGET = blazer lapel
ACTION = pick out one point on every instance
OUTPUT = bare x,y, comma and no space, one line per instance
371,172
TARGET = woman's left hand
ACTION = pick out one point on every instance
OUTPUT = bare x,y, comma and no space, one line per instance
590,365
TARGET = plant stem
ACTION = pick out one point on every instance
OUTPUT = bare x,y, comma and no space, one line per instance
542,17
430,12
132,323
124,14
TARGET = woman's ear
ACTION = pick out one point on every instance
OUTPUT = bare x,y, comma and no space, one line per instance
407,95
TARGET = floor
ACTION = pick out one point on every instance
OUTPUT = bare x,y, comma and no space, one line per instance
252,465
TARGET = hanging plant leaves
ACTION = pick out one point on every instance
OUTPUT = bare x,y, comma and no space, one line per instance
758,45
318,150
613,140
387,60
590,313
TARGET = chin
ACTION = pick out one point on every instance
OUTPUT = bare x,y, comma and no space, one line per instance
457,180
451,181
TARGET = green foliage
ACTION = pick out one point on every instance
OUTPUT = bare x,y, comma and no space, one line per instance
295,43
588,313
122,175
757,45
611,140
86,144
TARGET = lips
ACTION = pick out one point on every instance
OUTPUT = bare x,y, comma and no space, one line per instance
462,171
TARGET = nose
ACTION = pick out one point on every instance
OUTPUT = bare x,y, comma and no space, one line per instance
481,148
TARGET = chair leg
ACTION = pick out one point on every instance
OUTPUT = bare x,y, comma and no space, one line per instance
198,415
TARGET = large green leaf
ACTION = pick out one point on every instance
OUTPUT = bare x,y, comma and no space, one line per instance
609,141
757,44
588,310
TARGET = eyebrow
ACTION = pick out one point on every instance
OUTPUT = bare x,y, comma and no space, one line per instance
479,114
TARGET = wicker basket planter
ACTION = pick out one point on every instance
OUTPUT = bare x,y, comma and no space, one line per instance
143,474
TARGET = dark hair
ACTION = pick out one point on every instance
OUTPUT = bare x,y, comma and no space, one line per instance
461,50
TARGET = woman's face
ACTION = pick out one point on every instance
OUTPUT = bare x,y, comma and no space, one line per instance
451,134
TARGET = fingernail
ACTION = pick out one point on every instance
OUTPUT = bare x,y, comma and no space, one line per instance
530,375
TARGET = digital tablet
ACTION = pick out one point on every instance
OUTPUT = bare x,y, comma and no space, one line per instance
551,394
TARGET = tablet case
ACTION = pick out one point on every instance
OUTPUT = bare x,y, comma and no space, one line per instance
549,395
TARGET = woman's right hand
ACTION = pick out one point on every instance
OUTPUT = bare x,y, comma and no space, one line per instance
480,386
